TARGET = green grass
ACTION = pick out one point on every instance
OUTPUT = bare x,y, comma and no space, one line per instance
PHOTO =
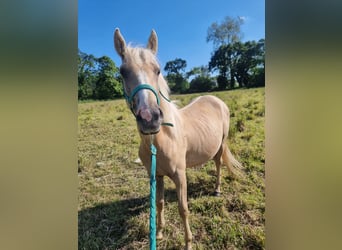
114,191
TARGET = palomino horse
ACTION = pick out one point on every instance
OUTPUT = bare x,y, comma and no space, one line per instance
197,133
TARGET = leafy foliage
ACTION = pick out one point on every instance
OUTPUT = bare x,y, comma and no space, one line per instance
201,84
243,62
222,82
176,66
227,32
98,78
107,85
235,61
177,83
175,75
86,75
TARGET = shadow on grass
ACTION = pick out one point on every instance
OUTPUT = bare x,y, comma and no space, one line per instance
106,226
110,226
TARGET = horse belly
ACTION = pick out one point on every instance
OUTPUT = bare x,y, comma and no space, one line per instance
202,149
207,119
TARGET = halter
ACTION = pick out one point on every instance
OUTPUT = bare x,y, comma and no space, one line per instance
129,98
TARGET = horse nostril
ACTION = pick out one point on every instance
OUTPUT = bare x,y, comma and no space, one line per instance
138,117
145,114
156,116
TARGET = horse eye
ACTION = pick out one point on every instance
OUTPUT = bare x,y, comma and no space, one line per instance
124,72
158,71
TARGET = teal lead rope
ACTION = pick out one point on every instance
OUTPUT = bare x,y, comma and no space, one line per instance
129,99
153,197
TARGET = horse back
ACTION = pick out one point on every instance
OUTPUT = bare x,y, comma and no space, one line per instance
206,107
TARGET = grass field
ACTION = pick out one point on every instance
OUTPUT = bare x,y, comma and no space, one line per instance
114,191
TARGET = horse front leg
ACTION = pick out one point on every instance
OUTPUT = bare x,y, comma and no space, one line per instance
181,187
160,207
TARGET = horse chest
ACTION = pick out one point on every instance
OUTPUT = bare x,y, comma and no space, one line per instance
167,164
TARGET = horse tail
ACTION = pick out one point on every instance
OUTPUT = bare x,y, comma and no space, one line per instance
234,166
233,161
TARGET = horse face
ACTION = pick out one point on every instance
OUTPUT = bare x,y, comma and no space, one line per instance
141,87
140,68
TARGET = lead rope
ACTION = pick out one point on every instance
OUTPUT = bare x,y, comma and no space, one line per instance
153,196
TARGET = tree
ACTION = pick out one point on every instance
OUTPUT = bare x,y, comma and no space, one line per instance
258,73
86,75
200,79
261,53
201,84
227,32
223,61
107,84
98,78
176,66
250,63
175,75
198,71
243,62
224,35
258,77
222,82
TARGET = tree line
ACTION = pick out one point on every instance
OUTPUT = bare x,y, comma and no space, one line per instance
98,78
234,64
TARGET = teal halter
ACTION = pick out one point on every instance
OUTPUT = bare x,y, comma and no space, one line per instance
129,98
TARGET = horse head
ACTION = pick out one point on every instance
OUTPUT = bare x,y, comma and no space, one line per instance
141,72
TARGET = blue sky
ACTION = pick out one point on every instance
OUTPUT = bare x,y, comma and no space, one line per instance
181,26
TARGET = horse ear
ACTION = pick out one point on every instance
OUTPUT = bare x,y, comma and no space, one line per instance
153,42
119,43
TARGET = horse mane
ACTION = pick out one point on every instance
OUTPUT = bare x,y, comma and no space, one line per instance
164,87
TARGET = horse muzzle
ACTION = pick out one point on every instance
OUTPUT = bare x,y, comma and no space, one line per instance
149,120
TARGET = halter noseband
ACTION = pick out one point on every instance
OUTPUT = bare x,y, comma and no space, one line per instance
138,88
129,98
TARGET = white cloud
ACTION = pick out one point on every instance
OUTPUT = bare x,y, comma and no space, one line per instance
244,18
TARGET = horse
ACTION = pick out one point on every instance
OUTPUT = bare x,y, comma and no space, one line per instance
184,137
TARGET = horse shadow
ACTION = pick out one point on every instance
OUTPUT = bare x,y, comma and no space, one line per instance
106,226
109,225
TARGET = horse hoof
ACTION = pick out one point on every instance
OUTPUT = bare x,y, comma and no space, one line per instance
217,194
